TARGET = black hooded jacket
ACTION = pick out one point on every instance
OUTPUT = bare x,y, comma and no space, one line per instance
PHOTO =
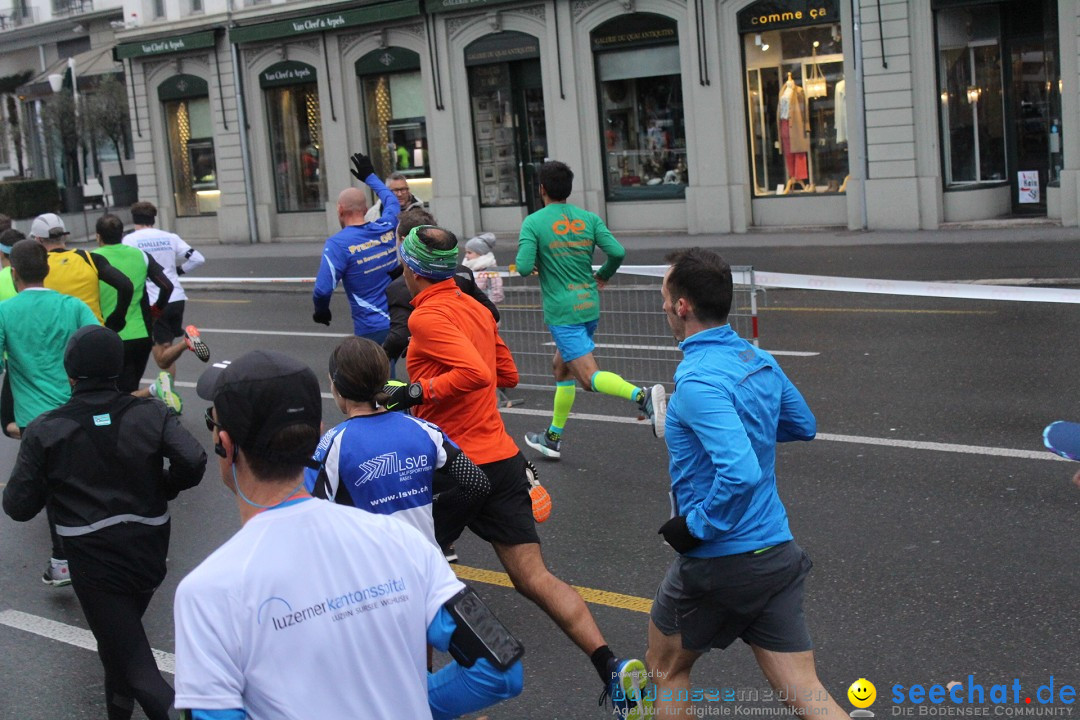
98,462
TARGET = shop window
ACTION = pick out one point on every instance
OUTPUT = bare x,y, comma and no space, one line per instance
509,124
189,128
641,107
795,97
393,106
292,111
972,102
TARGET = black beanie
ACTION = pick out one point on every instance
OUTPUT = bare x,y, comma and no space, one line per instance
94,352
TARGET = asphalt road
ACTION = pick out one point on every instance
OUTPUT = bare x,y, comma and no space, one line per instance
931,563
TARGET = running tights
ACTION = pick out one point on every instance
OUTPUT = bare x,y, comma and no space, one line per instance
131,674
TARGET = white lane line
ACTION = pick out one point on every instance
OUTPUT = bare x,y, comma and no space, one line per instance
71,635
675,349
829,437
289,333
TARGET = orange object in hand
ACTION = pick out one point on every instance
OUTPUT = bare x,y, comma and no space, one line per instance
541,503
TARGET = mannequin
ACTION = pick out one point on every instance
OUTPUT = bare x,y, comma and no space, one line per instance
794,133
840,114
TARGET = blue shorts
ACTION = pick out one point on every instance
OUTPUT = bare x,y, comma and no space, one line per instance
573,341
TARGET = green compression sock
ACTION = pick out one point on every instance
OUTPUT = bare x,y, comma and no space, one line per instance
611,384
564,400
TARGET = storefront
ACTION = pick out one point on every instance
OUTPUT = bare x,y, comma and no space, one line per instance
294,121
392,98
509,128
185,101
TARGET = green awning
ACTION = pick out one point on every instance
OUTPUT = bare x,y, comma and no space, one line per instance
181,87
165,46
391,59
366,15
438,6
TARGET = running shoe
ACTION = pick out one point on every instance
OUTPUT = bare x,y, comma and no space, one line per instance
195,343
450,554
56,573
652,404
163,389
630,699
546,443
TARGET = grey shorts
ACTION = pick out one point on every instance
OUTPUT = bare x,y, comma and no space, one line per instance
756,597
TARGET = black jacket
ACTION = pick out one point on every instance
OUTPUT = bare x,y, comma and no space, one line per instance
98,461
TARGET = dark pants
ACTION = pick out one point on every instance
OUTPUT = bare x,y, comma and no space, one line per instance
131,672
7,405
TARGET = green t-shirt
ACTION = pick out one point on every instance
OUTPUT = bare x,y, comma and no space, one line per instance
558,241
7,284
35,327
132,262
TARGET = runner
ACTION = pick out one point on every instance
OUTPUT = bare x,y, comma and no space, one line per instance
97,463
35,327
383,462
141,269
313,610
359,257
739,572
558,242
456,360
80,274
177,258
8,238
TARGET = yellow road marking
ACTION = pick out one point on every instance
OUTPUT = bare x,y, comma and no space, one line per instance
219,302
874,310
590,595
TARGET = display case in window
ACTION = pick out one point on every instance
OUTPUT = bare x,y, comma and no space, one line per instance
641,108
295,121
796,109
393,101
192,161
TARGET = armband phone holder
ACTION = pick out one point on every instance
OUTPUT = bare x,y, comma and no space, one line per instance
479,634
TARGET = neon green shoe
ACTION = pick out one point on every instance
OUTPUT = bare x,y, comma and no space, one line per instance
163,389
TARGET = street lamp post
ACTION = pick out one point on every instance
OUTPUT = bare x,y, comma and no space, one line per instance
56,82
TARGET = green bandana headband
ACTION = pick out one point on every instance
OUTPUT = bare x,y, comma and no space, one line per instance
426,261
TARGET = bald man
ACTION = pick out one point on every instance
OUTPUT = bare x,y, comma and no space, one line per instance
360,255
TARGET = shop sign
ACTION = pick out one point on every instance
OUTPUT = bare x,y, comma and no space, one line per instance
385,60
502,47
1029,186
635,30
438,6
366,15
289,72
776,14
165,46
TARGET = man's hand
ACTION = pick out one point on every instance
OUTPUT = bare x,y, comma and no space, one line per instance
403,396
362,167
677,534
322,316
600,282
156,312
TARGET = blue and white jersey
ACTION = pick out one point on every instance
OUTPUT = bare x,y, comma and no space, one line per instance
382,463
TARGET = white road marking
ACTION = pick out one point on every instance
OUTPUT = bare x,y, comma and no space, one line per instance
675,348
71,635
289,333
829,437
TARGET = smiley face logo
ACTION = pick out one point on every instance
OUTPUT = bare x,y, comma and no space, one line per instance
862,693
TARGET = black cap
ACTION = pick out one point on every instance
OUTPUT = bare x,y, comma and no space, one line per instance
94,352
258,395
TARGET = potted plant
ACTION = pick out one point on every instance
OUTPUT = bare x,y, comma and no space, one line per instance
107,119
61,125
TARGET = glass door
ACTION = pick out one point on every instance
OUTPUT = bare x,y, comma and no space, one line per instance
531,126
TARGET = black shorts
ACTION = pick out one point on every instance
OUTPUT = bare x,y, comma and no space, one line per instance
170,325
756,597
506,515
136,354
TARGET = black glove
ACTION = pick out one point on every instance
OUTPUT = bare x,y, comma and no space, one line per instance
322,316
403,396
678,536
363,167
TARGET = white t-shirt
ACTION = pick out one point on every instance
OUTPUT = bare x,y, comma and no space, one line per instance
312,610
170,251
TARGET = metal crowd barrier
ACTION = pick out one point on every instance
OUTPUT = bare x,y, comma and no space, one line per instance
633,338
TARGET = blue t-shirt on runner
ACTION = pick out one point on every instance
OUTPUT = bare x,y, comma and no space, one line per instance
360,257
382,463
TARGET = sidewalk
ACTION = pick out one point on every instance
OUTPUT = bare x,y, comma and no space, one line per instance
80,225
